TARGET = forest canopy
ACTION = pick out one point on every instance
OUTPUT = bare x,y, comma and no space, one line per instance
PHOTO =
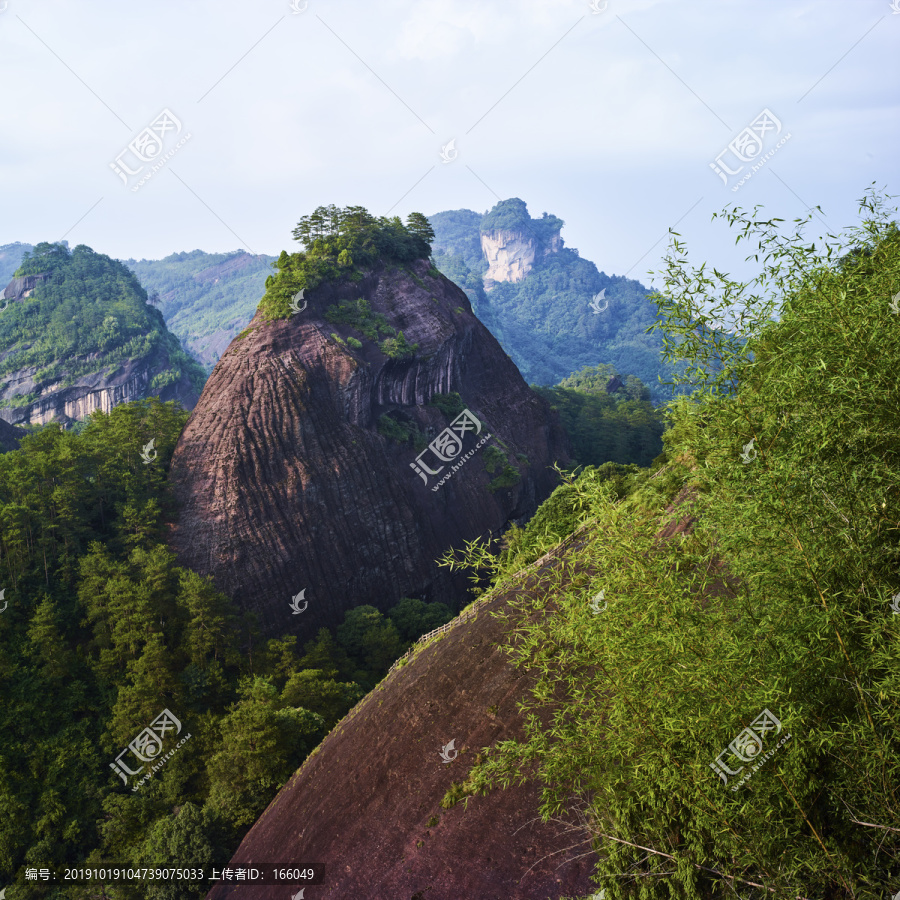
102,630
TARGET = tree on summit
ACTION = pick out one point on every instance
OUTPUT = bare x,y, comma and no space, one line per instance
420,227
341,242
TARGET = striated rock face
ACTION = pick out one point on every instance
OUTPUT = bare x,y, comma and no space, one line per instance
98,390
286,484
367,804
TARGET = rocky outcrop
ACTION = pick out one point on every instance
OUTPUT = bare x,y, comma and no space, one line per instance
22,287
286,485
367,804
511,254
77,336
101,390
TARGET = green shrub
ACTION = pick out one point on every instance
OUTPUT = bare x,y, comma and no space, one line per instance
337,242
507,478
401,432
492,457
398,347
451,405
778,599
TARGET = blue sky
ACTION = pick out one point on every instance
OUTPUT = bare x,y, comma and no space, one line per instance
608,117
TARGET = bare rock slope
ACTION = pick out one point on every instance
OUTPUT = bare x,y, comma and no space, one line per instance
367,804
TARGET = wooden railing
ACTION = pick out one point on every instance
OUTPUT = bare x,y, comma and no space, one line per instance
467,613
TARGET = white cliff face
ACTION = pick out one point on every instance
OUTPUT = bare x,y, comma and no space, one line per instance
101,390
510,255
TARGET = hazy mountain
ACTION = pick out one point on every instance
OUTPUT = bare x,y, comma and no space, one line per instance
536,296
205,298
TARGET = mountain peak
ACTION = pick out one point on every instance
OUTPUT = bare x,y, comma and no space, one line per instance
77,335
321,455
512,242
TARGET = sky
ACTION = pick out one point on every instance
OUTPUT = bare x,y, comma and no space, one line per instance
147,129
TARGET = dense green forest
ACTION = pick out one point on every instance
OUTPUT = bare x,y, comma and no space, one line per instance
545,322
90,313
729,723
102,631
621,427
201,295
340,242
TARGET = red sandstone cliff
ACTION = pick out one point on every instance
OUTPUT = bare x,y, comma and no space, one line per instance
286,484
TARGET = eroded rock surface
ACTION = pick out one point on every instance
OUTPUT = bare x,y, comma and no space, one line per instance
286,484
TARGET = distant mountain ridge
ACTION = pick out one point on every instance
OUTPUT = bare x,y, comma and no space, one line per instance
205,298
536,295
11,258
